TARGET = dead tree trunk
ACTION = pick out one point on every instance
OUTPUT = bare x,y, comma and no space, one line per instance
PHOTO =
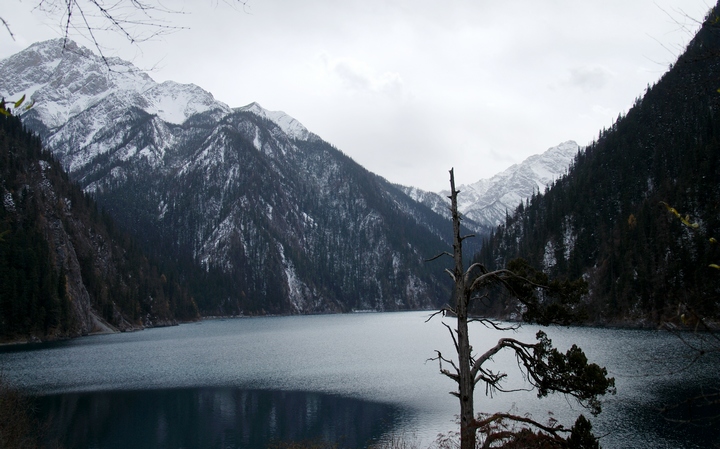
466,382
545,368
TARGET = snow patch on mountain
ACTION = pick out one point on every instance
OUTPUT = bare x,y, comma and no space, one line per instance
174,102
487,201
83,101
287,124
65,80
285,221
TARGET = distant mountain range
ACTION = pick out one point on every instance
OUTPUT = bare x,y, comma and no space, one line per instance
258,214
486,203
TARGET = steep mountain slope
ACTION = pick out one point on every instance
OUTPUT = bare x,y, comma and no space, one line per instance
260,215
64,269
486,202
606,220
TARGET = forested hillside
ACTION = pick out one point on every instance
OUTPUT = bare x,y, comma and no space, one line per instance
258,214
65,269
606,220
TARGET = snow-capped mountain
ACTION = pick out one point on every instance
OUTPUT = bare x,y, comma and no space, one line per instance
278,220
487,201
65,81
287,124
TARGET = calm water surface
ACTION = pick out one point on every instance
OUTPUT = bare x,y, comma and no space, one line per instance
344,378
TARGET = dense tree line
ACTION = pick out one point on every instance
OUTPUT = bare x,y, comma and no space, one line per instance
240,222
605,220
32,293
55,245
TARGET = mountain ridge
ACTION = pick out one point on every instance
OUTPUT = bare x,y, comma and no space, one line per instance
262,215
486,203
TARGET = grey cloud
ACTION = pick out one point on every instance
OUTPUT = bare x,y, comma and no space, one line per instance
359,77
589,78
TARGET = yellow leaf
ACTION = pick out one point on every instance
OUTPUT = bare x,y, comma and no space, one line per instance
712,265
686,222
670,208
19,102
712,240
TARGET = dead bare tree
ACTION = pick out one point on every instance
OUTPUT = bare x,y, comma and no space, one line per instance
135,20
545,368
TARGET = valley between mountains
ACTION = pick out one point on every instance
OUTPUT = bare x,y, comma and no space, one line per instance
235,211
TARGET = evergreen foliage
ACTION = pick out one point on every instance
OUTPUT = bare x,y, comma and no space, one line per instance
50,230
546,369
305,210
605,220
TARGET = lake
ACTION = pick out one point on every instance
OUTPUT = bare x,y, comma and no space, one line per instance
350,379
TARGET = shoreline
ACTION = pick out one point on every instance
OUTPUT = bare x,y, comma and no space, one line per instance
100,327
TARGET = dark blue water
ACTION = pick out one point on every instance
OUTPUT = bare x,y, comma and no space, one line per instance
349,379
209,418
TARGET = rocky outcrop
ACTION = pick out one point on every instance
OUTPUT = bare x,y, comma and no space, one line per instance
65,270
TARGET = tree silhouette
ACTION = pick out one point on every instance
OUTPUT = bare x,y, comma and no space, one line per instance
544,367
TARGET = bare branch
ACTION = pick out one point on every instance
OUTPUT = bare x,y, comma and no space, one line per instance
502,275
452,335
492,380
697,402
492,324
444,253
441,359
474,266
516,345
543,367
135,20
7,27
554,430
443,311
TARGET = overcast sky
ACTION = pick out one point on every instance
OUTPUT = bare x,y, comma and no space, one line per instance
411,88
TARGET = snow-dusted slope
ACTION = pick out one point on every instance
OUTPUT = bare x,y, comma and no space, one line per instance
280,220
293,224
287,124
80,99
488,200
174,102
66,81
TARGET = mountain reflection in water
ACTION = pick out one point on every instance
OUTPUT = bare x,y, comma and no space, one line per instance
209,418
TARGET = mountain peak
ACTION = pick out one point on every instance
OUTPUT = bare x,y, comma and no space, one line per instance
174,102
288,124
65,79
488,200
247,198
541,168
